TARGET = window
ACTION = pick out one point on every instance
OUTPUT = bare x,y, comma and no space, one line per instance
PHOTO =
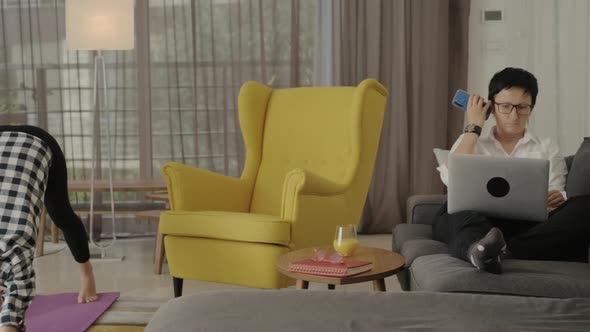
194,59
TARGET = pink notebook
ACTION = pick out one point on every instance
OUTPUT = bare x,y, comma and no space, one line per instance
345,269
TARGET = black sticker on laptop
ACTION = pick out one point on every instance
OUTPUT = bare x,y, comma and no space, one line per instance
498,187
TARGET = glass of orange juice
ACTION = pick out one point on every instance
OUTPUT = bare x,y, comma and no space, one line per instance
345,241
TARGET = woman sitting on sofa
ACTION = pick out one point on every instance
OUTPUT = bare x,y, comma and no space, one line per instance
481,240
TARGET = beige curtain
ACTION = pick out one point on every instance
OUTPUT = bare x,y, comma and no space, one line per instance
418,49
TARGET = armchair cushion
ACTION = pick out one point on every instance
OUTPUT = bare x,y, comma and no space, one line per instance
235,226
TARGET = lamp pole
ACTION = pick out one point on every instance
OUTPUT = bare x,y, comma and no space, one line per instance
99,26
99,61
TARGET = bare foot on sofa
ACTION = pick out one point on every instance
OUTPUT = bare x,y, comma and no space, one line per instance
485,253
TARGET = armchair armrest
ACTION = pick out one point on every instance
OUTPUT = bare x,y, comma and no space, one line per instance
422,208
298,182
195,189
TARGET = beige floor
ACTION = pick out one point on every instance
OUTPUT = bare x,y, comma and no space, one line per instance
134,276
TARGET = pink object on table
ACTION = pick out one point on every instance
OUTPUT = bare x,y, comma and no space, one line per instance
62,312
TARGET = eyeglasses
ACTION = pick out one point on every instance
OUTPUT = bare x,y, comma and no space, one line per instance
320,256
522,109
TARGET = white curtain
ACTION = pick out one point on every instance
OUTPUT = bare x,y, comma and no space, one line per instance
551,39
557,52
561,59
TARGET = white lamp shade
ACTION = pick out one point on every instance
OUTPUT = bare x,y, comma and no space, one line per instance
100,24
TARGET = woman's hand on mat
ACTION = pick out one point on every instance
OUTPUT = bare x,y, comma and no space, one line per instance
87,284
554,199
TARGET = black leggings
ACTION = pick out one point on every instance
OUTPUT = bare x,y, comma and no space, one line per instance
56,199
565,236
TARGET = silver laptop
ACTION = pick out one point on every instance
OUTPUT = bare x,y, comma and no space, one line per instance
501,187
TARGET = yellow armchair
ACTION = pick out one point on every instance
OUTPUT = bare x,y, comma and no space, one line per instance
309,161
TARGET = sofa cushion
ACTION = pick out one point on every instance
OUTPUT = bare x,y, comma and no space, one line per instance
413,241
413,249
443,273
245,227
578,181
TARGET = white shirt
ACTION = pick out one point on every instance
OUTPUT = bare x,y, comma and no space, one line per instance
529,146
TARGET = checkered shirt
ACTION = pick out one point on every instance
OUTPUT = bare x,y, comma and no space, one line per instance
24,167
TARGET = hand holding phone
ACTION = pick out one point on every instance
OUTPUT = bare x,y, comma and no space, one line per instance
461,100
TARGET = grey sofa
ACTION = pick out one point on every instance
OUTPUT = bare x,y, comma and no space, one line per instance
430,268
308,311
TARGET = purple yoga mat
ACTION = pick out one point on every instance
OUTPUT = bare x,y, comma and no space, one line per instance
62,312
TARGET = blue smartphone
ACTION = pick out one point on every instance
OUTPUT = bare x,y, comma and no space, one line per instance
461,99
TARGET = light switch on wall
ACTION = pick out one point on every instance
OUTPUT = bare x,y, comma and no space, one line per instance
492,15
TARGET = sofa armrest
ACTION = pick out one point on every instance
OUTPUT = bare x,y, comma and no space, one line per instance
422,208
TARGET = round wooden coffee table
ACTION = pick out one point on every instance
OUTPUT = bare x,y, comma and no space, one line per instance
385,264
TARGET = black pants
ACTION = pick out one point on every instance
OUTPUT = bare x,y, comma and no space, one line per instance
56,199
565,236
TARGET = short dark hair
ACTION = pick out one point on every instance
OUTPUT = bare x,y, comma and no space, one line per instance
513,77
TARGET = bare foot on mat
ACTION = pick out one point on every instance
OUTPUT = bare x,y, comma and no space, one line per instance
87,284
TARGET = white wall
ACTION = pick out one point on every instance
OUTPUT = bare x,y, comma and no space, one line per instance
551,39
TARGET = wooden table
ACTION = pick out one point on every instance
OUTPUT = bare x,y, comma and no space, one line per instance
135,185
130,185
385,264
160,196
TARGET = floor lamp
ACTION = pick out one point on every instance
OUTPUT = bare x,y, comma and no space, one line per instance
104,25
